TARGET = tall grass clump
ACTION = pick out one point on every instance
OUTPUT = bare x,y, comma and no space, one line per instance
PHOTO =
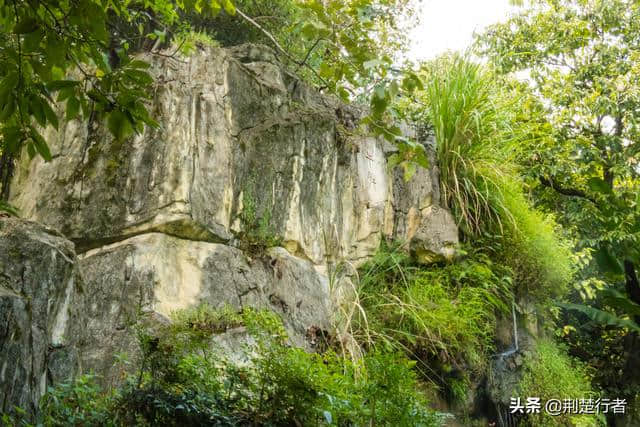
474,119
472,122
443,317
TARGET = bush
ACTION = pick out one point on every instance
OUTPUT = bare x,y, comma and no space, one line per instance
543,264
187,384
551,374
477,133
442,316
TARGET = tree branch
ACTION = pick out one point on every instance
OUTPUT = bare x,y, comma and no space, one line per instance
280,48
572,192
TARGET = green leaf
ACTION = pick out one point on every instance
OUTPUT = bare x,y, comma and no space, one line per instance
617,300
119,125
8,84
394,160
37,110
143,65
599,185
410,169
607,261
308,31
40,144
229,7
141,77
26,25
12,137
57,85
73,108
32,41
601,317
52,117
8,110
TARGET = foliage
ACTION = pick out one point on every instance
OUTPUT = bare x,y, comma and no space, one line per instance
78,51
474,133
257,233
78,60
442,316
182,383
551,374
542,261
274,16
478,131
583,89
189,41
589,81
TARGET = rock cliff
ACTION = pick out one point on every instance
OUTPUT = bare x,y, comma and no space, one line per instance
253,186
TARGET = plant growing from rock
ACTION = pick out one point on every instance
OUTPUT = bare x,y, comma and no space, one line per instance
191,385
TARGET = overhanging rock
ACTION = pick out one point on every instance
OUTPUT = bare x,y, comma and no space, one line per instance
237,133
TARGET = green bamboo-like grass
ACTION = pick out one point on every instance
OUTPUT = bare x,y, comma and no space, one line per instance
472,121
478,135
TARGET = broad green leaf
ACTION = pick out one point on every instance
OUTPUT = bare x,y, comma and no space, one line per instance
8,110
26,25
37,110
119,125
52,117
617,300
602,317
607,261
139,64
40,144
73,108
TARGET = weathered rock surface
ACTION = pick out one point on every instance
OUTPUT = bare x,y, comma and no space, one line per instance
155,274
160,221
39,296
237,132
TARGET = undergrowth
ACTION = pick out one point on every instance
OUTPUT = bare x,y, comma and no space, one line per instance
183,383
443,317
550,373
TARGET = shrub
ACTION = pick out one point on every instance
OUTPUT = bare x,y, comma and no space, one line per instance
442,314
257,233
543,263
551,374
477,133
182,384
77,403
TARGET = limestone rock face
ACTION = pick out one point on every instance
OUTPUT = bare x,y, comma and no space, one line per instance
238,135
39,295
155,274
245,152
